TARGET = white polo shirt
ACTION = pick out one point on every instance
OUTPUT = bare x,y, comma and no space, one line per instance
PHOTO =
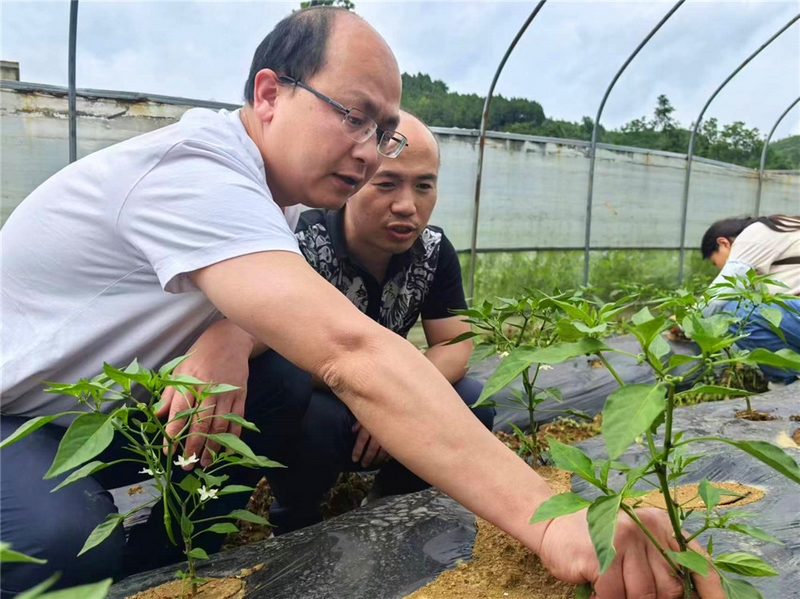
95,260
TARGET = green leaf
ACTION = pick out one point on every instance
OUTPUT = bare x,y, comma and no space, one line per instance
744,564
8,555
123,379
190,483
480,353
235,418
187,526
167,368
602,517
739,589
97,590
198,553
87,436
772,455
715,390
754,532
773,316
102,531
26,429
572,459
248,517
462,337
220,388
559,505
642,316
234,443
36,591
506,372
231,489
679,359
659,347
783,358
628,413
583,591
709,494
222,528
83,472
691,560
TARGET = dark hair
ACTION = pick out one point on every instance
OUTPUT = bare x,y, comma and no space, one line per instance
296,47
730,228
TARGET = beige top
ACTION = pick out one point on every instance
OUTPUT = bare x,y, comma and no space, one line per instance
759,247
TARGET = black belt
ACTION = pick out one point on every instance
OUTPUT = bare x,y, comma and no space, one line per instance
790,260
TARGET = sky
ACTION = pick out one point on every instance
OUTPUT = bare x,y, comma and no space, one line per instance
565,60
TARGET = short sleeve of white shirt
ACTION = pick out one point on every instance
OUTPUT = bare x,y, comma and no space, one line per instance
202,203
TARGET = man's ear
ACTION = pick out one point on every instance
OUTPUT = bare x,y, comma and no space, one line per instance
265,92
723,242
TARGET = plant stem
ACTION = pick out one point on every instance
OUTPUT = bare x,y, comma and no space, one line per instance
610,368
663,479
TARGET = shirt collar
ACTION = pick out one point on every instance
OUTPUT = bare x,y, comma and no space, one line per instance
334,223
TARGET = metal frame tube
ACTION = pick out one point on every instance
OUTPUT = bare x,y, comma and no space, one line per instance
697,122
593,146
482,145
73,116
764,157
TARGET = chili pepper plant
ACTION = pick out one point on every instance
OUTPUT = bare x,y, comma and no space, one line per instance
109,408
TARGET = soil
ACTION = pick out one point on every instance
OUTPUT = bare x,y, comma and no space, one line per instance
796,436
565,430
754,415
501,566
213,588
689,499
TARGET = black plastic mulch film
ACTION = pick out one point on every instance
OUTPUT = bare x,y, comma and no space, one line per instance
388,549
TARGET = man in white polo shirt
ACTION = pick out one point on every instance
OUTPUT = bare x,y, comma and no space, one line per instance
132,251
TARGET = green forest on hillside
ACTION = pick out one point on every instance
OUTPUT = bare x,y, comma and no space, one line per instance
433,102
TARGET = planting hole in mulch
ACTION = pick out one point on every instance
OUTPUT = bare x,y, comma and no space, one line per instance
754,415
214,588
501,566
689,499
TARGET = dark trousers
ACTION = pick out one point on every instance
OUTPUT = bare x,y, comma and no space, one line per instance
325,451
54,526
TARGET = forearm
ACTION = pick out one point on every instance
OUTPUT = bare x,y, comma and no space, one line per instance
449,360
441,440
393,390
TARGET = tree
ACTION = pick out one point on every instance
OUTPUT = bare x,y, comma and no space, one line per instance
662,115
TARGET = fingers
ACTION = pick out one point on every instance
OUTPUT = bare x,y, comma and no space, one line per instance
611,584
373,447
382,456
667,582
215,426
202,424
166,402
708,587
178,403
361,441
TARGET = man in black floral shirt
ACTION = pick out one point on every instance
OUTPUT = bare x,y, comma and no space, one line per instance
380,252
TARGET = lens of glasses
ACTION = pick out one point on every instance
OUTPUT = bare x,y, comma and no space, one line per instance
358,125
391,144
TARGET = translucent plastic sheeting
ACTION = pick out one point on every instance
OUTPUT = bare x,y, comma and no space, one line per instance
385,550
584,382
778,512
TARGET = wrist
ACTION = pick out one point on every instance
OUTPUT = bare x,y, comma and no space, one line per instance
233,338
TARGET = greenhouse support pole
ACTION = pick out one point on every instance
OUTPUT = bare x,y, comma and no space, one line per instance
685,208
73,117
764,157
473,248
593,146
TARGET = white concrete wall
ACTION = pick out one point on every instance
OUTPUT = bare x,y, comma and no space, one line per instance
534,189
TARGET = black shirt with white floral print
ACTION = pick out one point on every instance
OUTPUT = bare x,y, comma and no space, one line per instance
425,280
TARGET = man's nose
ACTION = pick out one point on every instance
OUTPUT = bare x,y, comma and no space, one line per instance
404,203
367,153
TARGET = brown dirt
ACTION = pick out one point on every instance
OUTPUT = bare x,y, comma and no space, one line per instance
795,417
213,588
501,566
796,436
565,430
689,499
754,415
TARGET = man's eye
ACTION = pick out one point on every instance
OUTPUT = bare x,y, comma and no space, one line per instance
354,120
425,187
385,185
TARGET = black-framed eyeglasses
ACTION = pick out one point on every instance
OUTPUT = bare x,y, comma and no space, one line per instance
357,124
